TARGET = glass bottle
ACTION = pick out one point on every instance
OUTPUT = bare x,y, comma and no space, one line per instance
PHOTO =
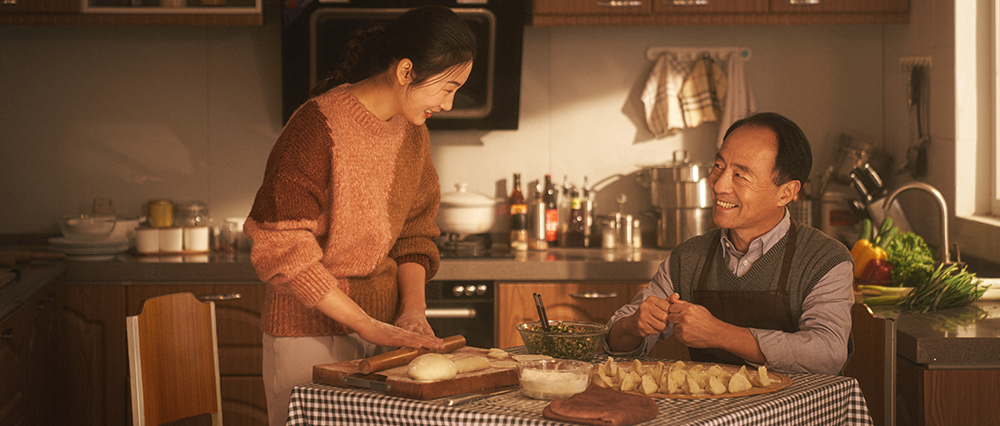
574,231
551,212
518,217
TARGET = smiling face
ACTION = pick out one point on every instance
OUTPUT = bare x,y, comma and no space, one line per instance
747,201
435,95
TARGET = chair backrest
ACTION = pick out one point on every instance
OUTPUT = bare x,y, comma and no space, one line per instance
174,360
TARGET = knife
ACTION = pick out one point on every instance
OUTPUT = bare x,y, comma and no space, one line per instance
464,398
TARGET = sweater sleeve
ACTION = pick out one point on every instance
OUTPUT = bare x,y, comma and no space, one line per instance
285,220
416,240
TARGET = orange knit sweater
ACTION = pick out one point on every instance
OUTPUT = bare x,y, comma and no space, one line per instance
346,197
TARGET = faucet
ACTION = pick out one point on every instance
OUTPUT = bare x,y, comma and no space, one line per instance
946,256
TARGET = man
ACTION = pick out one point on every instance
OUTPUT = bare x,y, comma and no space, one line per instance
760,289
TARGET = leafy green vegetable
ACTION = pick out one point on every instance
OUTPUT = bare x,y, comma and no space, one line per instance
948,287
911,258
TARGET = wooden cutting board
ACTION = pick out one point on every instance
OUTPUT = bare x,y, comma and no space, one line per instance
500,374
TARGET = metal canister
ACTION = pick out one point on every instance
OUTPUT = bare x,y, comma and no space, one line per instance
161,213
682,197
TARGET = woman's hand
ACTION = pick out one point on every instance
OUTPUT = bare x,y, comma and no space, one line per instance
416,322
385,334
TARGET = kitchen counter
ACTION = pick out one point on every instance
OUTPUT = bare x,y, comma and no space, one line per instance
966,337
33,278
551,265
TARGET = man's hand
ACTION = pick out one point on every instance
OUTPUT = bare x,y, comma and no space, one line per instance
694,325
651,318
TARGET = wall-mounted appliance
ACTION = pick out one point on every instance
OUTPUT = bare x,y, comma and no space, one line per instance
315,32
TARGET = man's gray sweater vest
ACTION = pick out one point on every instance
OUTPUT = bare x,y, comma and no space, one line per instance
815,254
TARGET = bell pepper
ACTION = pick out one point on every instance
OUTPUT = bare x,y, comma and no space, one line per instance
877,270
862,253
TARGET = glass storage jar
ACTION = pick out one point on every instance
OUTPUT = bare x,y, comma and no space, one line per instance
191,214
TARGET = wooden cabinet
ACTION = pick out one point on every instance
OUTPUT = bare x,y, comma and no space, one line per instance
717,12
93,357
840,6
591,302
26,356
945,396
134,12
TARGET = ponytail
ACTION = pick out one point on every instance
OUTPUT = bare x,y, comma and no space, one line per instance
434,38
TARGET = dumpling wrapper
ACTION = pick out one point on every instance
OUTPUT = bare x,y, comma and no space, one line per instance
739,383
649,386
715,386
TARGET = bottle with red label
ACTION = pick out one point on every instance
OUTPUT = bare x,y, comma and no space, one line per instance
551,212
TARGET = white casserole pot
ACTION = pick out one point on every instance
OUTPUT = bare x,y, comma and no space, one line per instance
463,212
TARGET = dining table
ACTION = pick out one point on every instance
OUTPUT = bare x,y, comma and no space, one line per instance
811,399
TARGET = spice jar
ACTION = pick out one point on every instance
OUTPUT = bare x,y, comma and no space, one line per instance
161,213
191,214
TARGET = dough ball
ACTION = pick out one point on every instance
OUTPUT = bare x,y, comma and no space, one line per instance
431,367
470,364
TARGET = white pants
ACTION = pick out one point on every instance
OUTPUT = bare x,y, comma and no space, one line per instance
288,361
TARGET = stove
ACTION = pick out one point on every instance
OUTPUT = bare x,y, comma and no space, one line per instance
475,246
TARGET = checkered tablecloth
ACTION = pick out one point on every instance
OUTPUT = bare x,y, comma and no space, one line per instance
811,399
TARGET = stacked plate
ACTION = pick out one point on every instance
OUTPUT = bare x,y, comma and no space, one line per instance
88,250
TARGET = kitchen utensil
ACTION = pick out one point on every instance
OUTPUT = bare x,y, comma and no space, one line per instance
463,212
553,378
682,200
396,382
403,356
542,318
565,340
466,398
86,227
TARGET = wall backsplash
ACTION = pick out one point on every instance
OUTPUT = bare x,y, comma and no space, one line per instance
136,113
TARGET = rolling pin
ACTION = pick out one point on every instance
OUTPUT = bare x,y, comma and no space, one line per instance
403,356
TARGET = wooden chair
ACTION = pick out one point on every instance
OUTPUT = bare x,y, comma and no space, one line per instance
174,360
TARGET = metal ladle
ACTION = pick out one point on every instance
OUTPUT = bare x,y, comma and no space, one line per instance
946,255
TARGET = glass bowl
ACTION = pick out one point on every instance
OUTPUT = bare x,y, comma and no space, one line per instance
553,378
565,340
87,227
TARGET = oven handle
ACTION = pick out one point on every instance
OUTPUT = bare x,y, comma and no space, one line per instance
594,295
450,313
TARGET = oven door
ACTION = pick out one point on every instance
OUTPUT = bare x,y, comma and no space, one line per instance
462,308
312,46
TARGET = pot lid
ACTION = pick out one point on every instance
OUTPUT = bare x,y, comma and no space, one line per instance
463,198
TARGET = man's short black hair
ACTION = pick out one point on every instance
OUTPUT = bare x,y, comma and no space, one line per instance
794,159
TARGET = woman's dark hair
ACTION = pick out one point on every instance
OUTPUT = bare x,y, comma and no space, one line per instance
434,38
794,159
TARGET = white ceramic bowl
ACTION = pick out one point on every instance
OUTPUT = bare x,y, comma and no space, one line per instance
553,378
87,227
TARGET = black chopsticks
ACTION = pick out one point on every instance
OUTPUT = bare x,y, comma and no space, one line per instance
542,318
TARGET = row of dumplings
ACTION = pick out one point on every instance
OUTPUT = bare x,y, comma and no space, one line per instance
678,378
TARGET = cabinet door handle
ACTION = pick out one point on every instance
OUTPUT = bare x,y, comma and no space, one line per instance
619,3
804,2
690,2
7,334
450,313
10,2
594,295
218,297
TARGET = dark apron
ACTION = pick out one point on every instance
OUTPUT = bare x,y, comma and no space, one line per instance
752,309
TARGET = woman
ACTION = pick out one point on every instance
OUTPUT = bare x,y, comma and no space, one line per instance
343,224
